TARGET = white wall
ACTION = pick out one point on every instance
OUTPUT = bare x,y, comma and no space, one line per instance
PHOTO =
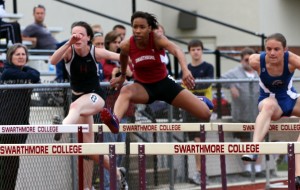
281,16
266,17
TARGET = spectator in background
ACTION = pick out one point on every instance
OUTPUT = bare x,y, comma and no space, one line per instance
242,95
60,71
41,38
120,29
37,33
112,42
15,108
161,31
200,69
97,28
11,31
111,68
98,42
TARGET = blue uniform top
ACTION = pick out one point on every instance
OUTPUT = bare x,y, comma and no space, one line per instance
280,87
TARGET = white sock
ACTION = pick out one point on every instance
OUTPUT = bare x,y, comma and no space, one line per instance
257,168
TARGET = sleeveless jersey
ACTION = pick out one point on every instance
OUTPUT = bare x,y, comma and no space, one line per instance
279,85
147,64
83,72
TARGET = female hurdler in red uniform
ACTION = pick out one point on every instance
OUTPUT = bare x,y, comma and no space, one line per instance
152,82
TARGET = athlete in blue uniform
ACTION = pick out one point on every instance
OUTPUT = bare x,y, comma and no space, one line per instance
278,97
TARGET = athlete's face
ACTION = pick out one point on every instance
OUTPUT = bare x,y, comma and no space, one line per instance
140,29
79,30
274,51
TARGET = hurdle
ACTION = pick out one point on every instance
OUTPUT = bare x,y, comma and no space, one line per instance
143,149
39,129
67,149
205,127
63,149
202,128
249,127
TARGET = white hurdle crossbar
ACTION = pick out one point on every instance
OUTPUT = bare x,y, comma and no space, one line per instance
248,127
213,148
189,127
61,149
25,129
143,149
68,149
157,127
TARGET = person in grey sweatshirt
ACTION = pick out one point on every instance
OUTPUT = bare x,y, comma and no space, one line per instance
243,94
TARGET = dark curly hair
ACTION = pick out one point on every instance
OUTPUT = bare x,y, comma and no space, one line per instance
151,19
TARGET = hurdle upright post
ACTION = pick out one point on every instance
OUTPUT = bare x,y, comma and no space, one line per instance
155,162
142,167
101,157
267,166
203,158
80,161
112,167
222,158
291,166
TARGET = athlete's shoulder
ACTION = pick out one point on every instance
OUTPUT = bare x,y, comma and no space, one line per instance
254,61
125,45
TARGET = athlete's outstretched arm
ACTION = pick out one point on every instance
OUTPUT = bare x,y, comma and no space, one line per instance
64,52
101,53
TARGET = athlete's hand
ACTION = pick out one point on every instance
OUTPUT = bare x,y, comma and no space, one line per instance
75,38
188,79
117,82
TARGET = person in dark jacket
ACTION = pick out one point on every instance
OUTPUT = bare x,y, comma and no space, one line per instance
14,108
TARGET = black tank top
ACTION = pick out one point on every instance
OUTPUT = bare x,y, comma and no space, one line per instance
83,72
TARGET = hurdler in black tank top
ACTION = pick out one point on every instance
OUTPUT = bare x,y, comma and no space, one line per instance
83,73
